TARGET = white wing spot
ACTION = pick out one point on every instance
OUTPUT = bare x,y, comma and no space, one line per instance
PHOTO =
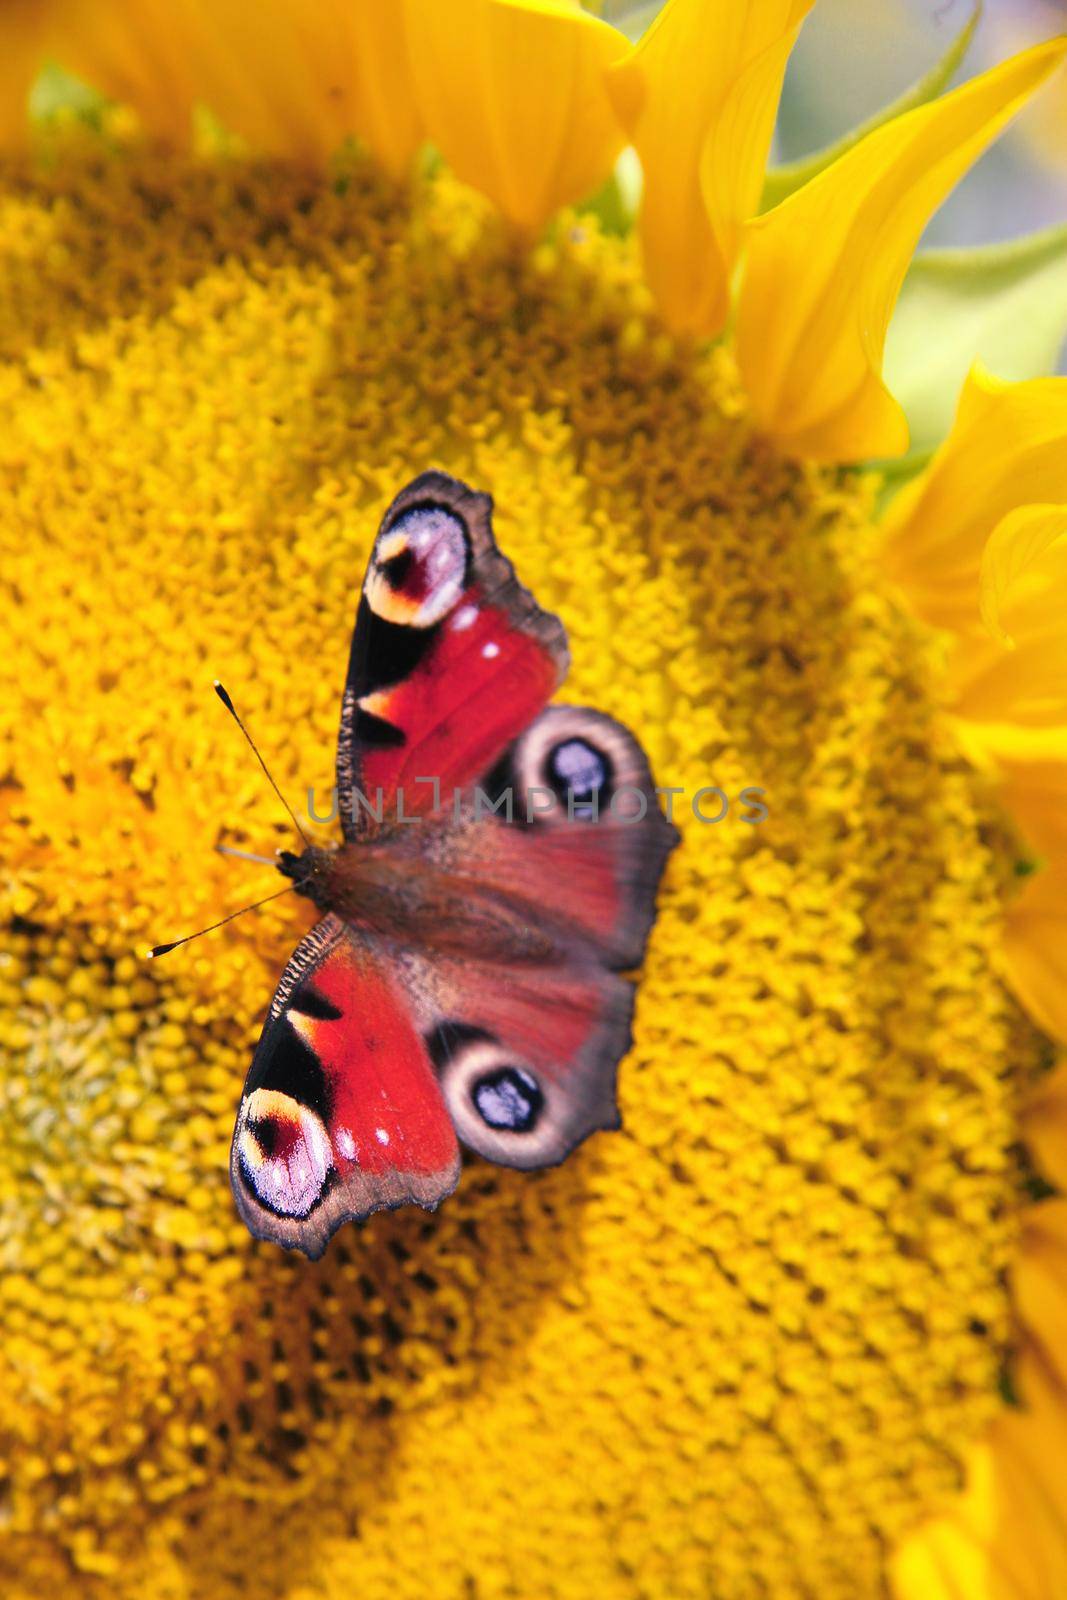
381,1136
465,617
490,650
346,1144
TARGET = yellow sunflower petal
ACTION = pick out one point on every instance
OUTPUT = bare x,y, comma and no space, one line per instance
1023,562
293,79
1007,448
1024,596
825,267
1029,1537
698,97
941,1562
1040,1283
1035,948
20,59
141,52
1012,691
1005,1537
1033,770
1045,1126
384,109
514,95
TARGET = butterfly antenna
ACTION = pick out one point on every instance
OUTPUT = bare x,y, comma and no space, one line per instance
165,949
245,855
230,707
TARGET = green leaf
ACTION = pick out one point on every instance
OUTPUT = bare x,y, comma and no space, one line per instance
1004,305
57,91
631,17
895,474
782,181
616,202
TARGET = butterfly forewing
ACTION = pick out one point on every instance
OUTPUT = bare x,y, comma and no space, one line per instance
342,1113
569,822
451,657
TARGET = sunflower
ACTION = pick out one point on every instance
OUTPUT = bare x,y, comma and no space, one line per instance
799,1328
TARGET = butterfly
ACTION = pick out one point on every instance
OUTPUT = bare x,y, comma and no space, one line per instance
496,881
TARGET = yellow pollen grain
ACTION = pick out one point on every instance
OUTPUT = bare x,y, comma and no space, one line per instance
737,1348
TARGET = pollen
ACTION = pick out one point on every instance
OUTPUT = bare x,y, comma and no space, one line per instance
740,1346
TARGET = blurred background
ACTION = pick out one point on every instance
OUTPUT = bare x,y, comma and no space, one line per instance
840,75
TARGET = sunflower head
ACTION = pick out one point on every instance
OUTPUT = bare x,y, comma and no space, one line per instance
795,1330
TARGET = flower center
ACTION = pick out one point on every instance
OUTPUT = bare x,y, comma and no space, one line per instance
748,1337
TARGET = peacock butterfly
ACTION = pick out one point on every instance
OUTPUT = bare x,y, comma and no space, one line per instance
497,878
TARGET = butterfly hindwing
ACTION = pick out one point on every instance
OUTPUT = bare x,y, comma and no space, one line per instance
341,1113
451,657
566,828
572,807
526,1055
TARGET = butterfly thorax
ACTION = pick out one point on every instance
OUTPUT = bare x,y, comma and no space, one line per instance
310,871
387,890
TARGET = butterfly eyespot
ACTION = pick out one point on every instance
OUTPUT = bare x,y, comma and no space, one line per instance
578,769
572,764
283,1153
498,1105
508,1098
397,570
419,568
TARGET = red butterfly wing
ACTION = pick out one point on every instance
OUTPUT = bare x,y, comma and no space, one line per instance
583,842
451,656
526,1055
527,1051
341,1114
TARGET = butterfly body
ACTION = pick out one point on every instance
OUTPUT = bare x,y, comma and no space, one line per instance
385,891
496,880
